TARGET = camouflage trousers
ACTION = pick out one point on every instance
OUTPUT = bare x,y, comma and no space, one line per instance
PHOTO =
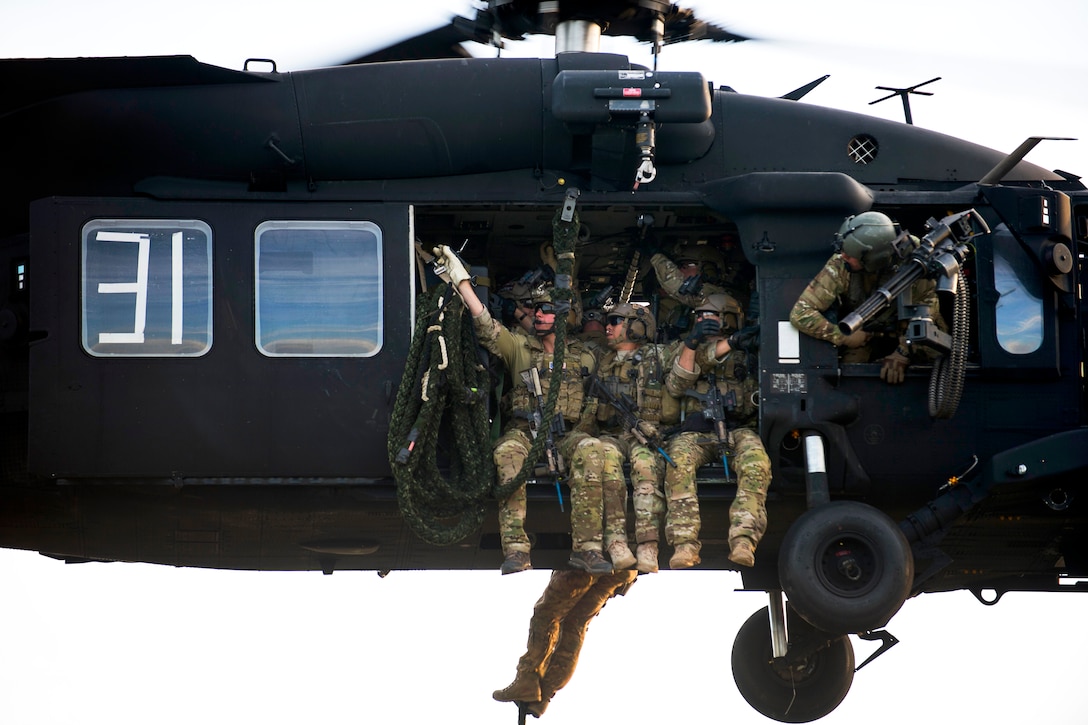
748,514
749,461
688,451
585,463
559,622
647,470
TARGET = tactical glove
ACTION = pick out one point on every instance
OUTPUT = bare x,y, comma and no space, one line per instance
691,286
746,338
703,329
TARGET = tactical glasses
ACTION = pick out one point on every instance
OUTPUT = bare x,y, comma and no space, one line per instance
615,320
546,308
705,313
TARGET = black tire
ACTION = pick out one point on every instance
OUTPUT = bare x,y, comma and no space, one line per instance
808,683
846,567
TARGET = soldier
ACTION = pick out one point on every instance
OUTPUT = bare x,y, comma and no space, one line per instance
870,248
556,632
697,272
633,368
521,297
706,352
519,353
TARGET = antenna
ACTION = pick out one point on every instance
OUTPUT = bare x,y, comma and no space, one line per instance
904,93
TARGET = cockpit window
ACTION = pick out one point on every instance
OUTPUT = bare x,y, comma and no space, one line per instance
1020,304
146,288
319,289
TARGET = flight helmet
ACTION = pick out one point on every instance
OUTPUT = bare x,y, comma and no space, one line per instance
870,238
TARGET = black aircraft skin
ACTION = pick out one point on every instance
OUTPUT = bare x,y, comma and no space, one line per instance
226,449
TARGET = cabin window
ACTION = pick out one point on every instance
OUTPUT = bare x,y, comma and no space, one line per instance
319,289
146,288
1019,311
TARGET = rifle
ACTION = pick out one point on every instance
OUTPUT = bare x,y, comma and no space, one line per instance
626,409
715,408
536,423
939,256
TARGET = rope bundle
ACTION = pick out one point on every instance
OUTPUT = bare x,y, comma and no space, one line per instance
443,391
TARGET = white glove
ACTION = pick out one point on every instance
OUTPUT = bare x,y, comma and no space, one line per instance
454,267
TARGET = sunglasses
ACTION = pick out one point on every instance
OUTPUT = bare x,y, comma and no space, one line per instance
545,308
615,320
705,313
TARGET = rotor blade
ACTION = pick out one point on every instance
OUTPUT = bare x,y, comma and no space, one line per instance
443,42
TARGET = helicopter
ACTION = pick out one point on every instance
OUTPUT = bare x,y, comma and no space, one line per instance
115,435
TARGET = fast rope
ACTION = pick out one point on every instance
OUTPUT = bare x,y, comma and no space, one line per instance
564,241
443,394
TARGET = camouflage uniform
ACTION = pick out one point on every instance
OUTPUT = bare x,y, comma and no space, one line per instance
837,284
647,465
698,445
675,311
556,632
520,352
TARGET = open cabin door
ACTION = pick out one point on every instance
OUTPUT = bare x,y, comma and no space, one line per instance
197,340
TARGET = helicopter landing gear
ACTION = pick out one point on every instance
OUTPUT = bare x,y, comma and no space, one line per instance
846,567
805,684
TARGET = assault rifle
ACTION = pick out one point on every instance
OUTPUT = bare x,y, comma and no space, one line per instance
536,424
715,408
939,256
626,409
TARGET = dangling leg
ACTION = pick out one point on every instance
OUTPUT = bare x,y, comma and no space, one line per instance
565,589
615,506
748,514
647,474
510,454
564,659
586,504
682,520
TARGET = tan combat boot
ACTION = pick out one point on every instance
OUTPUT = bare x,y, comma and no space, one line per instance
516,561
647,557
524,688
743,552
685,556
621,555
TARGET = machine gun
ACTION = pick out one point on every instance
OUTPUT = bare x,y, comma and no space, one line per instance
531,377
715,408
626,409
939,256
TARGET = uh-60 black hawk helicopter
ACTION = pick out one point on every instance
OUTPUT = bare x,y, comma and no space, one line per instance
210,281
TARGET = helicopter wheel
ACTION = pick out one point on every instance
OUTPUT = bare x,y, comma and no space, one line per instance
808,683
846,567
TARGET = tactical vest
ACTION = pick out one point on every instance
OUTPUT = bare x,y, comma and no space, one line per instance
571,393
732,376
639,377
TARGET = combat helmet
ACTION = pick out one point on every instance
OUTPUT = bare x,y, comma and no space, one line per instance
546,293
707,256
727,308
870,238
639,325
